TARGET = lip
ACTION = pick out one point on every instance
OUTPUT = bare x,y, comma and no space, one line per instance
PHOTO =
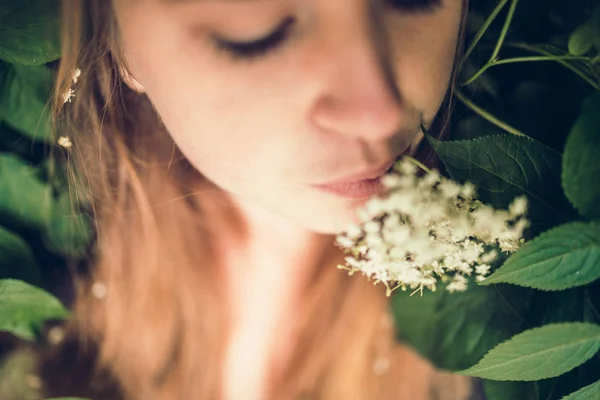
361,185
373,174
369,175
358,186
355,190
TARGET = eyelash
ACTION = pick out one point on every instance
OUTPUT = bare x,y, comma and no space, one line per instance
247,51
257,48
421,6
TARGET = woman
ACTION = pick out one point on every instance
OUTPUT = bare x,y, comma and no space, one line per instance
201,131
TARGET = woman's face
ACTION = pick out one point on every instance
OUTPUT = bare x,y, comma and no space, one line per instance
336,88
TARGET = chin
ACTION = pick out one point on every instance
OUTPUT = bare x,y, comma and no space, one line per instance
329,219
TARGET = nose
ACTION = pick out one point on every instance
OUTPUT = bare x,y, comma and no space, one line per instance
358,96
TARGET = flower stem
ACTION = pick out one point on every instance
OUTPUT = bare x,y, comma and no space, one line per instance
520,60
484,29
418,164
536,49
486,115
507,22
494,57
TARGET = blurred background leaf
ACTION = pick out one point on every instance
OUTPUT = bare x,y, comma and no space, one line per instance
29,31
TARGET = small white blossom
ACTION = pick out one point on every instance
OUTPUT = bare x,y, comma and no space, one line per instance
489,256
449,189
467,191
483,269
406,168
518,207
76,75
354,231
65,142
56,335
458,284
429,229
68,95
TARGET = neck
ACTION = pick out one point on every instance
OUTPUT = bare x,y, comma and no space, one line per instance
267,263
253,243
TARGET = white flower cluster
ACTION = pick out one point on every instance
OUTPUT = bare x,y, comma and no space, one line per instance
70,93
65,142
427,229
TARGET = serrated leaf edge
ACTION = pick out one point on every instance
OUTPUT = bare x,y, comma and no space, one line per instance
494,280
469,371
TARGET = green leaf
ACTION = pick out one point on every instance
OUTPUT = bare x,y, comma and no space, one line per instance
24,199
558,259
29,31
581,40
590,392
539,353
24,308
581,167
16,259
24,101
27,202
455,330
506,166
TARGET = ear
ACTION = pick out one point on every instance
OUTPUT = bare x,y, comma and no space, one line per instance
130,80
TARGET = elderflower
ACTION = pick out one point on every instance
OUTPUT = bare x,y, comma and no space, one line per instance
70,93
429,229
76,75
65,142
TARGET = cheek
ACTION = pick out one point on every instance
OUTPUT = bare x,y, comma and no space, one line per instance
426,86
423,52
226,139
228,128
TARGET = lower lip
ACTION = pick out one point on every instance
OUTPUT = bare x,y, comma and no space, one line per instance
355,190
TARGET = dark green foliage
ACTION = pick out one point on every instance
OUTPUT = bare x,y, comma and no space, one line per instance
40,228
531,97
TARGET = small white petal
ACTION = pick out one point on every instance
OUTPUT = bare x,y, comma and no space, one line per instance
65,142
76,75
354,231
518,207
483,269
345,242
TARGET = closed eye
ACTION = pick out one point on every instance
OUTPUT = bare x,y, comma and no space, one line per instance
255,48
249,50
415,5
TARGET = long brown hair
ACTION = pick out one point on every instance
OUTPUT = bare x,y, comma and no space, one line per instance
151,301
